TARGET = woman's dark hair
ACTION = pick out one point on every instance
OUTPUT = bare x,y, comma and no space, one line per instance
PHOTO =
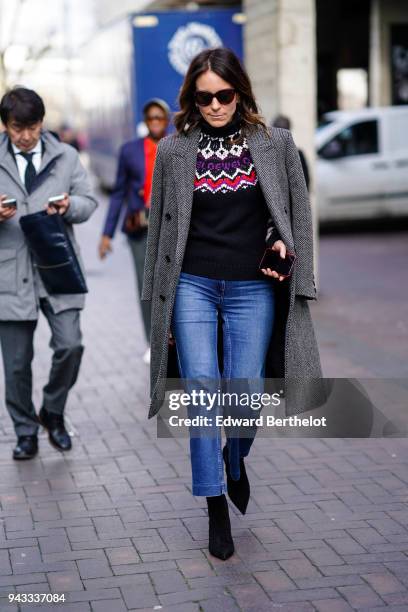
23,105
226,65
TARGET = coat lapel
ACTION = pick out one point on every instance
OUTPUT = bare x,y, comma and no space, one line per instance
184,161
264,155
8,163
52,149
138,157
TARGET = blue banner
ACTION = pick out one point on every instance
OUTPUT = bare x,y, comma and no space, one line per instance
166,42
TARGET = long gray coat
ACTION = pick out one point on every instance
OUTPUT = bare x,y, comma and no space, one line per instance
61,171
293,354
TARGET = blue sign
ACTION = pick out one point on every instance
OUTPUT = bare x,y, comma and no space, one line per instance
166,42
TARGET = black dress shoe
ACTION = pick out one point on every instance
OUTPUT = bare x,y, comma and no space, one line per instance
57,434
238,490
27,448
220,543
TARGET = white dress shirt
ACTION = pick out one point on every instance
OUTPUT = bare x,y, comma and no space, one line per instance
22,163
21,166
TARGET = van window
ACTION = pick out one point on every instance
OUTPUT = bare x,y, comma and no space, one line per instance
357,139
398,132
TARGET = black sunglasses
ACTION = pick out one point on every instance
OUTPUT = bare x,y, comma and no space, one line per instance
224,96
155,118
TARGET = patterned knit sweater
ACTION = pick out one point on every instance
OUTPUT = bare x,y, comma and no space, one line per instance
230,218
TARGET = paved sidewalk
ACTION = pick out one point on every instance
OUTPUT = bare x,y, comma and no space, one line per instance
113,524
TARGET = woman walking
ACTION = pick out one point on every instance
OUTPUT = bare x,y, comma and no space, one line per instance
132,190
224,188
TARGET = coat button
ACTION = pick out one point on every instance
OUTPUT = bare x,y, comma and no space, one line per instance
286,210
163,298
168,216
25,280
168,258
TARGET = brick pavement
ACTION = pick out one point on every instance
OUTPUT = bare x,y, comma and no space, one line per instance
114,526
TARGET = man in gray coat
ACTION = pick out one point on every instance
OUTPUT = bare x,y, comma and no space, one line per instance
35,166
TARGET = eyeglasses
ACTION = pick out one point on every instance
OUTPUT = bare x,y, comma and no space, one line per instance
224,96
155,118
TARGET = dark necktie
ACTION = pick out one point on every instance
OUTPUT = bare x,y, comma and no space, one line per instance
30,172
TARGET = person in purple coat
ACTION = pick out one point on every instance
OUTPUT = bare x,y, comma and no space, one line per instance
133,189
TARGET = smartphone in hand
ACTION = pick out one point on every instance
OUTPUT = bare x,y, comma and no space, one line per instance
9,203
56,200
272,259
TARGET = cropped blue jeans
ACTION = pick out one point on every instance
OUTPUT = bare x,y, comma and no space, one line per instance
247,311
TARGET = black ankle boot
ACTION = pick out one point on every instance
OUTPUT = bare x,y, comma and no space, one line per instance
220,543
238,490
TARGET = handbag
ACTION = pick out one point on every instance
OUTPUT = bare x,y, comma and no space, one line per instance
52,253
136,221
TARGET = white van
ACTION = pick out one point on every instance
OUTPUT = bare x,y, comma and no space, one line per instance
362,164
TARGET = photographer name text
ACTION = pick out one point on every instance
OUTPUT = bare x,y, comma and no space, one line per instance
259,421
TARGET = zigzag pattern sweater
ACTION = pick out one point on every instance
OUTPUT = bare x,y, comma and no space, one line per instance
230,218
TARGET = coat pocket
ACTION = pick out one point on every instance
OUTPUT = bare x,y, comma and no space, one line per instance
8,271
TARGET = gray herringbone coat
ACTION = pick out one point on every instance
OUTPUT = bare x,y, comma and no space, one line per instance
293,354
